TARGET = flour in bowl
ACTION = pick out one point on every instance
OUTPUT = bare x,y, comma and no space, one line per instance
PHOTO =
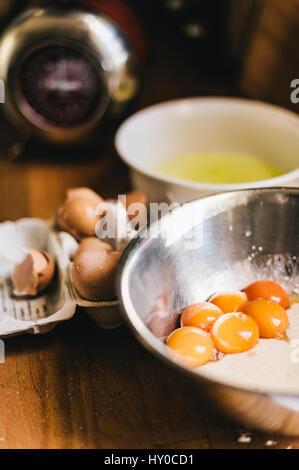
272,365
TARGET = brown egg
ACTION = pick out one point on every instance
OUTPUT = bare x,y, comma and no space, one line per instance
92,244
135,197
34,274
140,198
94,274
84,193
78,214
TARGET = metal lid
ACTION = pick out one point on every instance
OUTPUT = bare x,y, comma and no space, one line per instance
62,67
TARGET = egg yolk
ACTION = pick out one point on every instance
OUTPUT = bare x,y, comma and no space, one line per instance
271,318
202,315
268,290
229,301
234,333
191,346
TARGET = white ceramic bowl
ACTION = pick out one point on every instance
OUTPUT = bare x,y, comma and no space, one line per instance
207,124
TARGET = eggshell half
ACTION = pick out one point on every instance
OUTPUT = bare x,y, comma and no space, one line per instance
94,274
34,274
78,214
92,244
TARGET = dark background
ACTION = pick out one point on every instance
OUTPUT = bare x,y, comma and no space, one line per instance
208,47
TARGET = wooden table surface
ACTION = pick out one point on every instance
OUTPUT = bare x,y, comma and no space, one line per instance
80,386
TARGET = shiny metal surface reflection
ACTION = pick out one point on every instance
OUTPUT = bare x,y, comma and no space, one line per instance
159,265
103,47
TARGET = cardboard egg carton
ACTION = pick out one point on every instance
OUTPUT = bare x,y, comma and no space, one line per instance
58,303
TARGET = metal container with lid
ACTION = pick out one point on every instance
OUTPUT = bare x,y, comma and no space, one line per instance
65,65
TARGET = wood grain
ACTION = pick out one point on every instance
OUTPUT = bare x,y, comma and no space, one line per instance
272,60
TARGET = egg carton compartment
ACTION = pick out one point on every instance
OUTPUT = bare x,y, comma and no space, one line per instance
105,313
58,303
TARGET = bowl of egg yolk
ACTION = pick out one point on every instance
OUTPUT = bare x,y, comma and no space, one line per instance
187,148
212,289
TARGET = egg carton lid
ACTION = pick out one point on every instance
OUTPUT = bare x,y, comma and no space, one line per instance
58,303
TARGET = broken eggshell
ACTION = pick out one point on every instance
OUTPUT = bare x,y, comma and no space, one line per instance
113,226
92,244
94,273
41,313
135,197
85,214
33,275
78,214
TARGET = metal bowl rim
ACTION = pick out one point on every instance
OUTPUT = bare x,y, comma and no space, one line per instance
145,336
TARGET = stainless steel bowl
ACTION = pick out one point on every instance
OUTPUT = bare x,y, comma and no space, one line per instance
180,259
